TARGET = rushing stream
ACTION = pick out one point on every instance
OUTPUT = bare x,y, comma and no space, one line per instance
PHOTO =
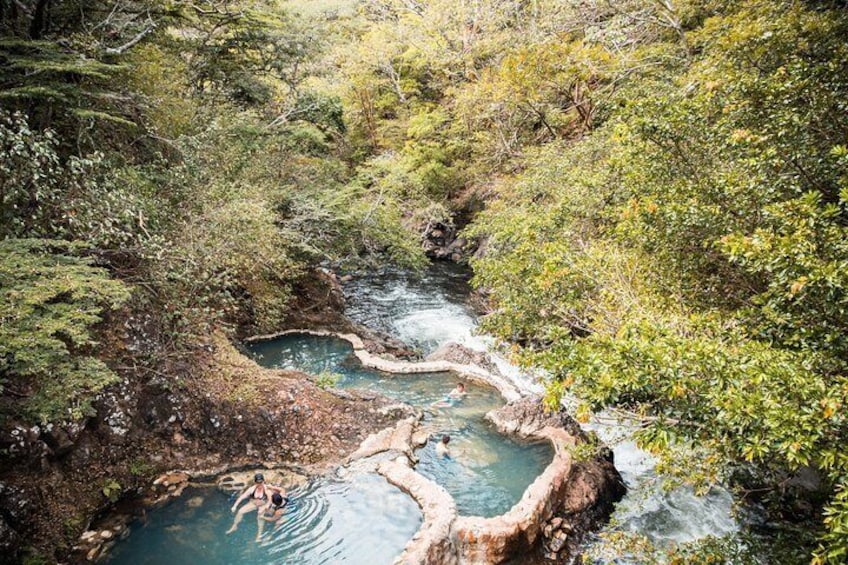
363,519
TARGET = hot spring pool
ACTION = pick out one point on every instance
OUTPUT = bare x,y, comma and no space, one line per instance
487,472
363,520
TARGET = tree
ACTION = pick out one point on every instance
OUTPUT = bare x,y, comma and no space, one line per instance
685,260
51,300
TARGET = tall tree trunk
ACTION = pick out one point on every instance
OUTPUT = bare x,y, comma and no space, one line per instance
40,19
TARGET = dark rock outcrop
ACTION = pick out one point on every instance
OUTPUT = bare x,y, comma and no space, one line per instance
440,241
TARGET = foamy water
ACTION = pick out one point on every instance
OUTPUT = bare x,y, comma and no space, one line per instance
427,311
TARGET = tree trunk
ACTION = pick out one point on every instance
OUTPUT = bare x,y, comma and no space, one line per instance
40,19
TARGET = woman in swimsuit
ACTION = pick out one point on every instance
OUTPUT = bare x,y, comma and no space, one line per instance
258,494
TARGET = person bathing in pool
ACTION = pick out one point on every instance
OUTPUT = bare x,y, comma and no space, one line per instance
258,494
458,393
442,447
452,398
273,513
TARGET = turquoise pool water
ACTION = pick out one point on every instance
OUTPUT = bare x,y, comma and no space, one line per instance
487,473
363,521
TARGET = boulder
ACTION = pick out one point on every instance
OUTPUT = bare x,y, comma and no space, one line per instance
398,439
456,353
528,418
171,479
381,343
439,241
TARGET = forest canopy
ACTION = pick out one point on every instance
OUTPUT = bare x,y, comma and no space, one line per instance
658,190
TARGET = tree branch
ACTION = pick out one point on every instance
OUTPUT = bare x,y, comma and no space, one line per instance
134,41
23,8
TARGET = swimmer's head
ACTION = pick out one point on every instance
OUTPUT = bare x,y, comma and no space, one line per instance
258,478
445,439
461,387
277,499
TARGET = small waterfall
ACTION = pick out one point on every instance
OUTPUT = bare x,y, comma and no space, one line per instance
649,509
423,311
427,311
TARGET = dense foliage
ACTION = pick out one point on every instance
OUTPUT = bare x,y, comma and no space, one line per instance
50,297
687,258
180,149
663,186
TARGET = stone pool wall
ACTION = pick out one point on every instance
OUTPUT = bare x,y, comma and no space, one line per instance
574,495
434,364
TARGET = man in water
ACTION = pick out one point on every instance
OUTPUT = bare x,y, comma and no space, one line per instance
458,392
453,397
442,447
258,493
272,513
